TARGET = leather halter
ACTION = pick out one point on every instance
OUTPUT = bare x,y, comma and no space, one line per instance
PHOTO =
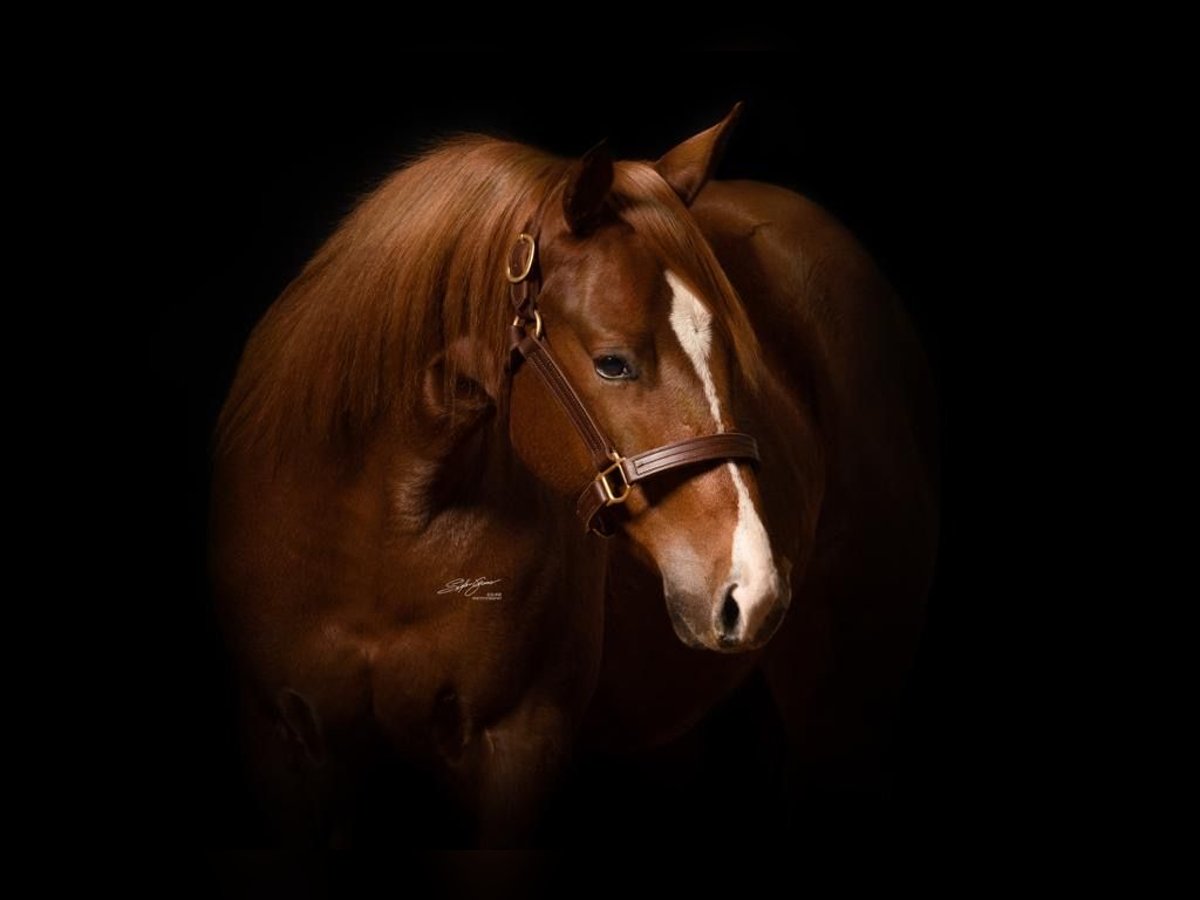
615,474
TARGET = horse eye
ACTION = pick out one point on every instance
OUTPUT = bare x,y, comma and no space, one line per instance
612,367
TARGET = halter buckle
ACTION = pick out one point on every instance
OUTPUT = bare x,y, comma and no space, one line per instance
611,498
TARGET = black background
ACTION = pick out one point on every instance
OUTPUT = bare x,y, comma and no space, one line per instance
242,178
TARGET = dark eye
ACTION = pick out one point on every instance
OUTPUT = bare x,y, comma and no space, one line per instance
613,367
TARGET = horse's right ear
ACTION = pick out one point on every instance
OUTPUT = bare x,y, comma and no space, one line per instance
587,188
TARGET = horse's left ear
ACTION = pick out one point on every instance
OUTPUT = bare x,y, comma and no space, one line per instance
586,190
688,166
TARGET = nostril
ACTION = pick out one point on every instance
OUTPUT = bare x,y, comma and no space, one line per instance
730,612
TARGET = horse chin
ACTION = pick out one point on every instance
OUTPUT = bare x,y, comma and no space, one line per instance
683,630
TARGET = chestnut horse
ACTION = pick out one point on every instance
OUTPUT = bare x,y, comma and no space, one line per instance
395,553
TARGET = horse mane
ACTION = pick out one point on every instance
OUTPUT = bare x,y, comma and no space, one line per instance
415,266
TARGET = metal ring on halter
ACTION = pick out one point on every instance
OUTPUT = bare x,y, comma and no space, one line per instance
537,323
525,240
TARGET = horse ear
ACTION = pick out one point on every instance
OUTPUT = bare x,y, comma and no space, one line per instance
587,188
687,167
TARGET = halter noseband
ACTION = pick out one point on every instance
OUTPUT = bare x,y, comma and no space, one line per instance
615,474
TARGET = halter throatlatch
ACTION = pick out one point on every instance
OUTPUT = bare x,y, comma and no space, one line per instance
615,474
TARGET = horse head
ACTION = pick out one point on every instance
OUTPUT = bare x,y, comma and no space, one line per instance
653,341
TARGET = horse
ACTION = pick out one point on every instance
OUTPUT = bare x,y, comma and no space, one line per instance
538,454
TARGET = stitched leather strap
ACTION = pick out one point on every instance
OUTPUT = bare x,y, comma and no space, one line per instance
725,446
539,355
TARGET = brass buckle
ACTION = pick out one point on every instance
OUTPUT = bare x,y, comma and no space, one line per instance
537,323
611,499
527,262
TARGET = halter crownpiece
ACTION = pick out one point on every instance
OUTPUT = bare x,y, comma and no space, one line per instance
615,474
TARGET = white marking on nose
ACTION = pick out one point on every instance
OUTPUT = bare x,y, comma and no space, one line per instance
752,567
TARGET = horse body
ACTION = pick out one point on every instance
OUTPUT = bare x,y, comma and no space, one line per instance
341,522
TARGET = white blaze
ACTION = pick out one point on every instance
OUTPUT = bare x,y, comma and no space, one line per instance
752,567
